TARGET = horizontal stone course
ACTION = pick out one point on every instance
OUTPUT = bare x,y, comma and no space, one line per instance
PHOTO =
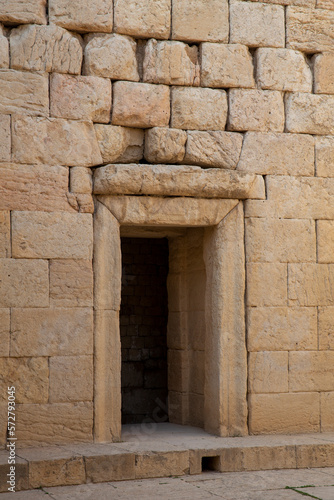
23,11
23,93
82,15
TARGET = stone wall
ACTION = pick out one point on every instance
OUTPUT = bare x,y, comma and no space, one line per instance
243,86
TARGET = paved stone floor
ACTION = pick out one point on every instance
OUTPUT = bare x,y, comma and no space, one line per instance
264,485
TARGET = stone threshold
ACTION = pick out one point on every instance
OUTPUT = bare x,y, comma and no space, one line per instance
160,450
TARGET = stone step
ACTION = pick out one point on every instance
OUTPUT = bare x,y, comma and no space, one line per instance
160,450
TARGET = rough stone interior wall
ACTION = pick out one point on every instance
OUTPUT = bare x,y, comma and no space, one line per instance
238,85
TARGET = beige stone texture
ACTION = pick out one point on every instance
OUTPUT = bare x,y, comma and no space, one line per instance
173,463
176,180
58,423
315,456
257,24
326,328
52,235
5,138
82,15
81,180
324,156
55,470
4,332
71,283
5,243
54,141
178,370
283,69
120,144
325,240
111,56
80,98
327,410
171,63
268,372
259,110
284,413
309,30
325,4
213,149
143,18
282,328
280,240
45,48
23,93
112,467
311,371
71,379
226,66
4,49
52,332
33,187
310,114
277,154
301,3
23,11
259,458
311,284
198,109
196,373
30,376
199,21
266,284
323,65
140,105
165,145
25,283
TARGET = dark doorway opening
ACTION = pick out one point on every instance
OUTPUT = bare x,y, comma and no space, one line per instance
143,328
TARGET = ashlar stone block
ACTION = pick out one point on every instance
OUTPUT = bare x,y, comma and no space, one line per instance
81,180
213,149
323,66
30,376
4,49
82,15
198,109
226,66
71,378
71,283
310,30
326,328
111,56
143,18
140,105
45,48
80,98
171,63
324,156
5,138
23,93
120,144
311,284
325,240
266,284
5,244
268,372
52,235
4,331
309,113
23,11
311,371
165,145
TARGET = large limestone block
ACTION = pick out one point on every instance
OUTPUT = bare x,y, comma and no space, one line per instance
268,372
280,240
324,156
30,376
266,284
259,110
71,283
120,144
284,413
4,331
326,328
327,410
4,49
140,105
311,284
323,65
325,240
257,24
58,423
71,378
82,15
198,109
24,283
23,11
5,138
111,56
200,20
213,149
22,92
282,328
81,180
5,243
283,69
310,30
277,154
54,466
165,145
311,371
80,98
226,66
54,141
52,235
52,332
310,114
172,463
171,63
45,48
109,467
143,18
33,187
